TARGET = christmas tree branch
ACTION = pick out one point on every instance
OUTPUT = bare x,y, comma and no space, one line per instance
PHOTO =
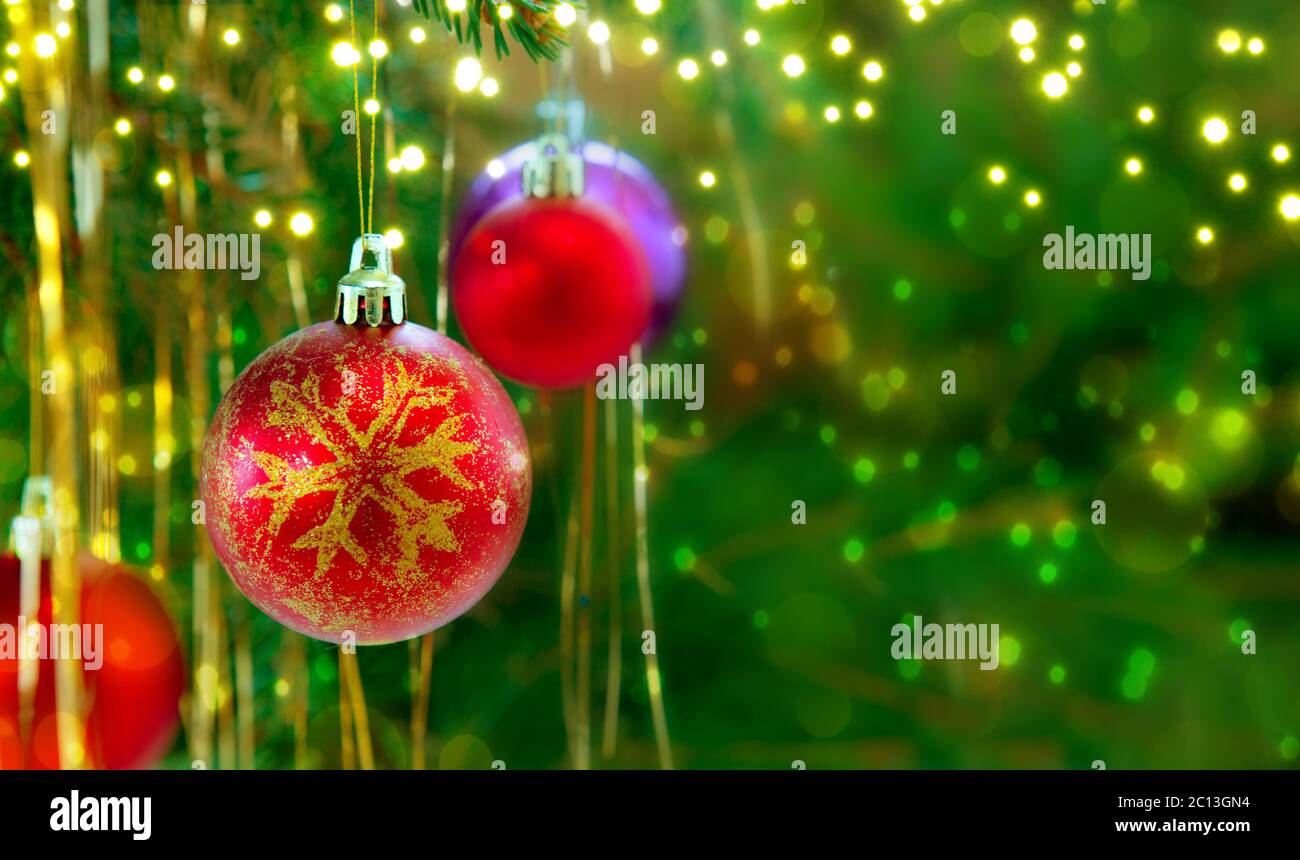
531,23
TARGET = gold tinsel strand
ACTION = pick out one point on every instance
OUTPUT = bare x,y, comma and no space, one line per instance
49,202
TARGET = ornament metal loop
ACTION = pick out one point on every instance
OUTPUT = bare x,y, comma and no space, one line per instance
374,283
32,531
567,117
554,170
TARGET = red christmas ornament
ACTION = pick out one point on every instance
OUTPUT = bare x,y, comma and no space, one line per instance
550,286
368,477
133,697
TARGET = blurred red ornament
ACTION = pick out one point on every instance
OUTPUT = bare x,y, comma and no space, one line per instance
547,289
370,479
132,700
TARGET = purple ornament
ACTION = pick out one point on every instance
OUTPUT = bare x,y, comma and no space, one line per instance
619,181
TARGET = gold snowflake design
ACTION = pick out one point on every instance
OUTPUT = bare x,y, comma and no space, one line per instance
369,463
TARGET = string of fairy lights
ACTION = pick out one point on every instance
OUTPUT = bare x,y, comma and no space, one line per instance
1215,129
468,75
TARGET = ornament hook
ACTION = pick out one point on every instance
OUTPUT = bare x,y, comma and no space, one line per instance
372,284
555,170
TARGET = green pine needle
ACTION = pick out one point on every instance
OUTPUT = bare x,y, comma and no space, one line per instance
467,26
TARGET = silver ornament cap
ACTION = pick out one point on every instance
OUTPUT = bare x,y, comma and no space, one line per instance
554,170
370,285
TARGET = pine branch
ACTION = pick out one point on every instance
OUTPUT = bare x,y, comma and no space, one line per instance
531,23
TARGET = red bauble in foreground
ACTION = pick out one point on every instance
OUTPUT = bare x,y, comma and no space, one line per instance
372,480
548,289
132,699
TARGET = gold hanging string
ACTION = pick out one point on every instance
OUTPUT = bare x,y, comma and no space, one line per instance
584,577
212,666
640,477
421,679
568,603
352,696
349,748
365,201
357,700
356,113
614,525
374,118
614,667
